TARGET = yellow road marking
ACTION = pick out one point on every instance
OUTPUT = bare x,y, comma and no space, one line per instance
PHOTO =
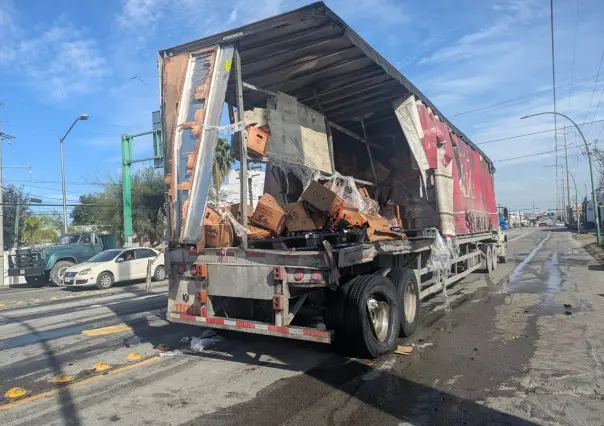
133,356
1,305
107,330
36,300
15,393
61,379
89,379
19,302
101,366
53,297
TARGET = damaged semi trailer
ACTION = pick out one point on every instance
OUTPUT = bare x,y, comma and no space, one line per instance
372,199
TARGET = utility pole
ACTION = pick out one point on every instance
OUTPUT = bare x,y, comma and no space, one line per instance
566,166
8,137
17,211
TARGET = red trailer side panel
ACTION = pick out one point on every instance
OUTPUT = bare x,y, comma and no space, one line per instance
462,176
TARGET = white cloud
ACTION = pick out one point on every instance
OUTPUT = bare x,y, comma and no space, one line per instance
58,62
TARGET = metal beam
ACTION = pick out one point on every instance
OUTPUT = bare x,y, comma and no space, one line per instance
242,146
363,80
318,72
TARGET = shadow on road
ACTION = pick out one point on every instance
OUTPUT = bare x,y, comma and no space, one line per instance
383,396
68,409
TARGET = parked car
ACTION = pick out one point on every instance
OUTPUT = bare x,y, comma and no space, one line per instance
111,266
39,265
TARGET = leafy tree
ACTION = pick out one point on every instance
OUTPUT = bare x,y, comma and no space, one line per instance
223,161
37,230
10,195
104,209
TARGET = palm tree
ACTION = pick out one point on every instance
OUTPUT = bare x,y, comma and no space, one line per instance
222,164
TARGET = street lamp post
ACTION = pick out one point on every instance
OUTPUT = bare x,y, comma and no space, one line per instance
568,173
82,117
591,173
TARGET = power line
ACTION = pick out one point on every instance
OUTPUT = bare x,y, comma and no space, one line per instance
594,89
523,98
530,134
536,154
572,70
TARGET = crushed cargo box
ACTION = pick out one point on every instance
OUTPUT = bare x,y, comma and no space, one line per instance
218,235
257,233
269,214
211,216
378,223
322,199
236,211
349,216
374,235
297,218
257,140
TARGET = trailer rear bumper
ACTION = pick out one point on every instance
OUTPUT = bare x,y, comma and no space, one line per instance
298,333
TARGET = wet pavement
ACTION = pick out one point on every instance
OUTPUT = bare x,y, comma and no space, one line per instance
521,346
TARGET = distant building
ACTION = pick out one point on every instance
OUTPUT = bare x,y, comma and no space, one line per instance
231,188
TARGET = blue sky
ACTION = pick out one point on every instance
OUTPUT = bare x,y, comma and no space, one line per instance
61,58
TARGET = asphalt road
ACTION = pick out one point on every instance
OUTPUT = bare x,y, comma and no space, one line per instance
499,349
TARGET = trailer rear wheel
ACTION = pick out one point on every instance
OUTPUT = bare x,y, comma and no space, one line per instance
405,282
486,261
371,315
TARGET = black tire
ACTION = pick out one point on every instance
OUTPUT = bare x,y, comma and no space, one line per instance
359,330
37,281
104,281
160,273
60,266
405,282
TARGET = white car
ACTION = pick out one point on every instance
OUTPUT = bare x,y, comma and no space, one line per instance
114,265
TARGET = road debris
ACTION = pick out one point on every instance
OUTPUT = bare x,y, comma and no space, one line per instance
185,339
162,347
403,350
207,334
568,305
170,353
199,344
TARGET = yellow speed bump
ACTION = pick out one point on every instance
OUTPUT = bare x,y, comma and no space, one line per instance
60,379
15,393
101,366
107,330
133,356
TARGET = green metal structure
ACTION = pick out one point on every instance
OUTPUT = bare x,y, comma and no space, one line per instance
127,161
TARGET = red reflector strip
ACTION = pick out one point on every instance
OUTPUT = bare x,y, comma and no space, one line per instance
215,320
315,333
192,253
278,328
187,317
228,253
245,324
254,254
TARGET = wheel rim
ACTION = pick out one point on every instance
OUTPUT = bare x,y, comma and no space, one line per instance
410,302
161,273
61,274
105,281
379,315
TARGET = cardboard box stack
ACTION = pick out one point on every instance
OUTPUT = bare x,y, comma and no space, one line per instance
318,209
